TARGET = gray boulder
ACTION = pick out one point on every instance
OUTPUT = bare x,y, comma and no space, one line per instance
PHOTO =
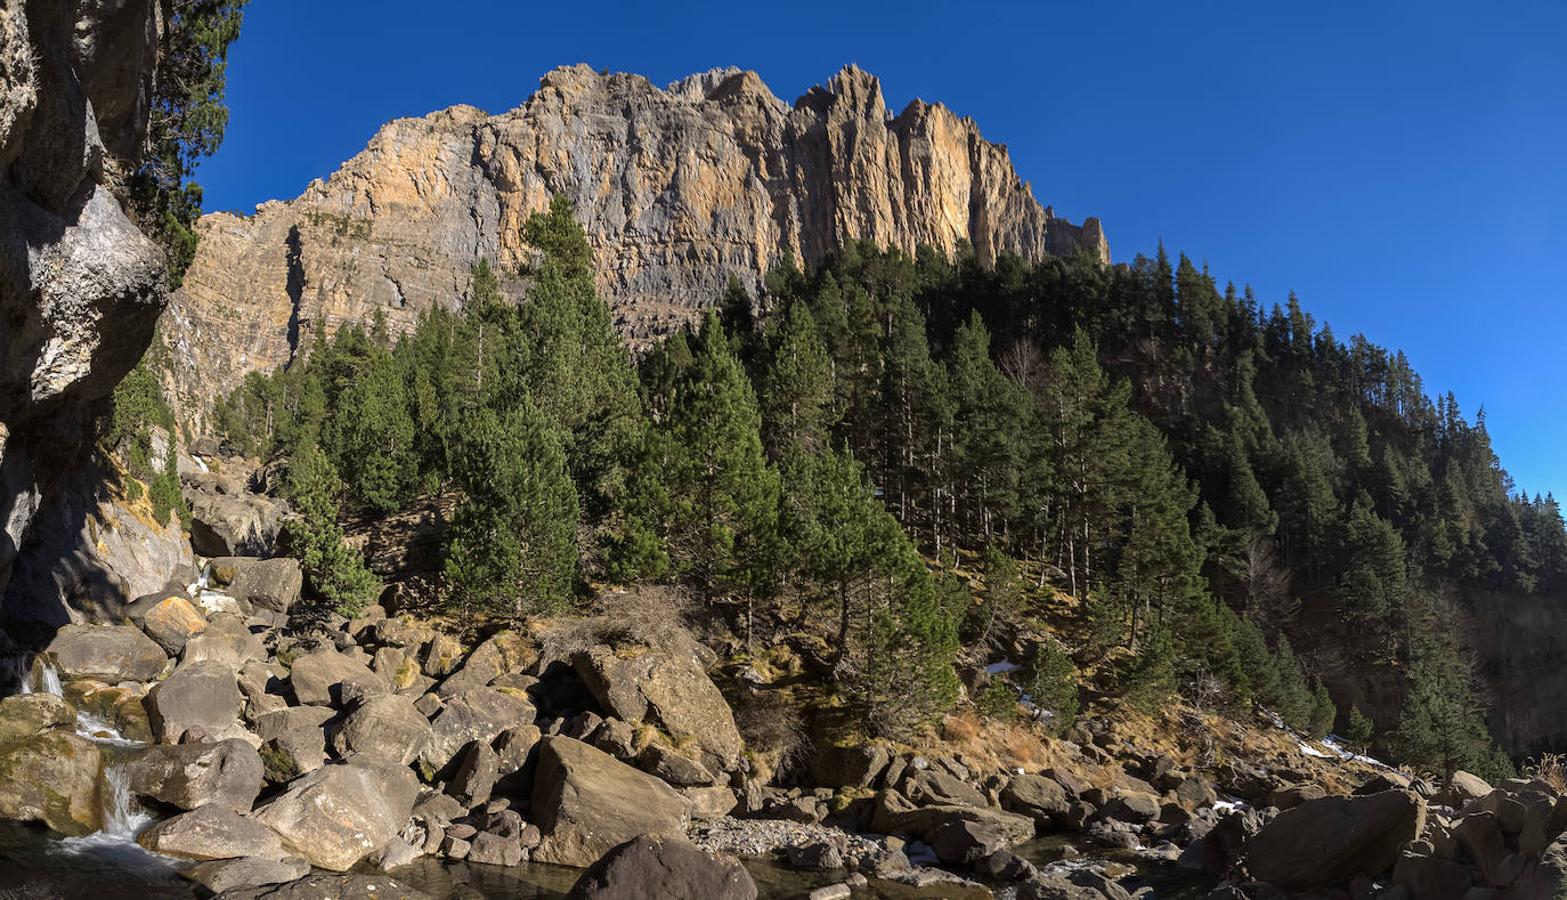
212,832
219,875
107,653
234,524
329,678
189,776
652,866
387,725
323,885
669,688
200,695
168,618
586,802
481,714
227,640
1040,798
266,584
339,814
1331,840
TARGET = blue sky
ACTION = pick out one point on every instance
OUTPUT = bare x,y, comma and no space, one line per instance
1402,166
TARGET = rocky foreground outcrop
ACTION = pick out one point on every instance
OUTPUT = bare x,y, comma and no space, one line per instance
679,188
80,286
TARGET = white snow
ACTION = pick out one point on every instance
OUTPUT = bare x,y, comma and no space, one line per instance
1002,668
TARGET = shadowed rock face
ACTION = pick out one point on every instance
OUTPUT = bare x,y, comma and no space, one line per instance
80,286
679,189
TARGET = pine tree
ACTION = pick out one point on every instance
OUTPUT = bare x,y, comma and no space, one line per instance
513,548
798,386
1323,711
333,570
1358,730
1052,684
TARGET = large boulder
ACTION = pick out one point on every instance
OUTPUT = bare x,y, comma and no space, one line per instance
1333,839
480,714
321,885
25,715
234,524
52,778
212,832
849,766
339,814
107,653
1542,879
387,725
168,618
228,640
219,875
669,688
266,584
1040,798
893,813
652,866
202,695
188,776
586,802
329,678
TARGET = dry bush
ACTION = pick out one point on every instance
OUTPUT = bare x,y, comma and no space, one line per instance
774,731
961,727
647,616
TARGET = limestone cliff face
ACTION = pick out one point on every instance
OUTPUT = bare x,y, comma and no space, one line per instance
80,286
679,189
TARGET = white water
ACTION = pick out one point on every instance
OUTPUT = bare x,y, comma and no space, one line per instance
49,678
122,818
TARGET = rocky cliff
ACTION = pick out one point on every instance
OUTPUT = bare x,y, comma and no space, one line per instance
679,189
80,286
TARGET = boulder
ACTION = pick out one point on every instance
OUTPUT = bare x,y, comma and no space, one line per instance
654,866
167,618
329,678
189,776
960,842
502,653
892,813
107,653
25,715
710,802
1331,840
234,524
219,875
288,755
339,814
1542,879
477,768
1483,842
200,695
212,832
52,778
586,802
266,584
481,714
495,849
322,885
669,688
1462,788
1040,798
932,787
672,766
849,766
387,725
227,640
270,725
1293,795
1430,877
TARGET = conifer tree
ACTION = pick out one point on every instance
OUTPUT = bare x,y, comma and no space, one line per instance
333,570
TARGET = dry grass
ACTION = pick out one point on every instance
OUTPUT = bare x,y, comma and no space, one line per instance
1550,768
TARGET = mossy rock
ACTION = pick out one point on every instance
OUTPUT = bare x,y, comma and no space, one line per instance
52,778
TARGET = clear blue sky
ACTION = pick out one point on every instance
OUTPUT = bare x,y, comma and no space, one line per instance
1402,166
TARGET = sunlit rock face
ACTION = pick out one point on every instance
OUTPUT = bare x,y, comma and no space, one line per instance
679,188
80,286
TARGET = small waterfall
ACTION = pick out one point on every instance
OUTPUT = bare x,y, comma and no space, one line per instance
48,678
122,818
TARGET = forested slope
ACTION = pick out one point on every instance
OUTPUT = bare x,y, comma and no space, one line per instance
914,460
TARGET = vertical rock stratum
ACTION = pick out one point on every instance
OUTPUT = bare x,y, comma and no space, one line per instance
80,286
679,188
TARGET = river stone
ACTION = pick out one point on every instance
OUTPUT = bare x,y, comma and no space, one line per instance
219,875
670,689
329,678
170,619
893,813
24,715
387,725
1331,840
280,721
586,802
481,714
268,584
52,778
189,776
288,755
339,814
202,695
107,653
849,766
663,866
322,885
212,832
